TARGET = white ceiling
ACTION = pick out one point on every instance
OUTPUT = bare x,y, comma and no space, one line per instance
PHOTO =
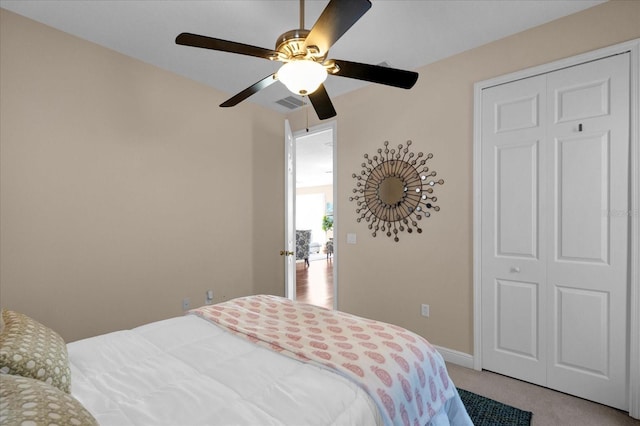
405,34
314,159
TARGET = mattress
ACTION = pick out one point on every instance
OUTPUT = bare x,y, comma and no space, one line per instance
190,371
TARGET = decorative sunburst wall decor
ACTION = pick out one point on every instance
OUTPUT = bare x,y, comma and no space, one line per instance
394,191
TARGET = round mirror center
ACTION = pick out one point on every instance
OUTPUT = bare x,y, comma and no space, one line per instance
390,190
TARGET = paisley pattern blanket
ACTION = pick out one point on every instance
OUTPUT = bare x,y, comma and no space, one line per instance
400,370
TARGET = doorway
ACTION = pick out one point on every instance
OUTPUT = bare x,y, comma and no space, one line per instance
314,215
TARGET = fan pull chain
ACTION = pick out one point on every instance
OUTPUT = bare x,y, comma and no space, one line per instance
307,111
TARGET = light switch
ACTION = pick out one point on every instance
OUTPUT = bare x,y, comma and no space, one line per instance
351,238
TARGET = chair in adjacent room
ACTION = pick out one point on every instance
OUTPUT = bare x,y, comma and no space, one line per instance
329,248
303,238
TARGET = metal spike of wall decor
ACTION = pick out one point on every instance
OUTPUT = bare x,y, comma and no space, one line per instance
394,191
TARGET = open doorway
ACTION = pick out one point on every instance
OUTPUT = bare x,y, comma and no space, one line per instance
314,216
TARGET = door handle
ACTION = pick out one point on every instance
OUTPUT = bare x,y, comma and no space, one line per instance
286,253
515,269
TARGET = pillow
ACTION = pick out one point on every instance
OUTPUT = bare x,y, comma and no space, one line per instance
26,401
29,349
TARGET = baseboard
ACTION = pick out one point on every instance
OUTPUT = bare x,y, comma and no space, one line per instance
456,357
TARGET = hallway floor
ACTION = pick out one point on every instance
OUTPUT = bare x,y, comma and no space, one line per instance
314,284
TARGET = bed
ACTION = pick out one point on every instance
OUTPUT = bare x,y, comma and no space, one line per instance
263,360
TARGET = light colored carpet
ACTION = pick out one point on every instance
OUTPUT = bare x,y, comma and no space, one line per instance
549,408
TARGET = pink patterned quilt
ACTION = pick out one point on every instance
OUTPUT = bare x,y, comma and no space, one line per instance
400,370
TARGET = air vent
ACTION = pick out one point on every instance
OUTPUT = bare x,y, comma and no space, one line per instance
290,102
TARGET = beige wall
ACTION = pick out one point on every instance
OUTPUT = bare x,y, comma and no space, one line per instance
124,188
386,280
115,199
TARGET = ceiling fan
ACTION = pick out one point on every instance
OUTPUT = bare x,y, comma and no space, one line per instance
304,53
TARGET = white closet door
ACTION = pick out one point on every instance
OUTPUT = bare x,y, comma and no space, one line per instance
588,136
513,252
555,155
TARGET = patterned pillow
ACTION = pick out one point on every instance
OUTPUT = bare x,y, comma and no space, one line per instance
33,402
29,349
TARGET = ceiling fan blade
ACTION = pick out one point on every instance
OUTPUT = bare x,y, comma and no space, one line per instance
376,74
195,40
335,20
322,103
251,90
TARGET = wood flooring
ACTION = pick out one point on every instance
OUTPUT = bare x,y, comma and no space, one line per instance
314,283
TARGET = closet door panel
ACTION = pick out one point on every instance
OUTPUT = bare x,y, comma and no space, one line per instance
587,263
516,193
517,318
582,188
513,322
583,331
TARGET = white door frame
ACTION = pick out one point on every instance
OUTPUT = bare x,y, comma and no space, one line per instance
289,212
633,47
333,125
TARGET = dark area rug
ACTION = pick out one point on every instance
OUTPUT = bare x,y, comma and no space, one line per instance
487,412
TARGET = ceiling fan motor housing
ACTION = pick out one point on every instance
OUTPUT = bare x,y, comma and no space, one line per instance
292,46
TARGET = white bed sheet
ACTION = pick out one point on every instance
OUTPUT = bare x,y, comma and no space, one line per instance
187,371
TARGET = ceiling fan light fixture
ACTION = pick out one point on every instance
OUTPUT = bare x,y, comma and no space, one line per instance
302,77
304,53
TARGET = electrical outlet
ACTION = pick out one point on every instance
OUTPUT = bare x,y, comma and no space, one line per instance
208,298
185,304
425,310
